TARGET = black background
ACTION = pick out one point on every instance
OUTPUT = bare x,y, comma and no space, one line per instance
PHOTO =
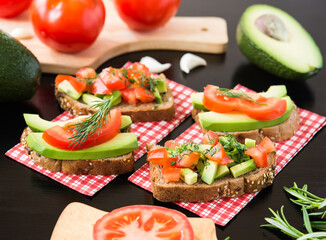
30,203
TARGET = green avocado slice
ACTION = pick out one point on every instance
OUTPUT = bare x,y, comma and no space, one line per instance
121,144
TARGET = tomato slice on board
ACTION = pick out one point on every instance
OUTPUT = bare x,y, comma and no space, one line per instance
187,159
98,87
129,96
259,155
59,137
217,154
157,156
210,138
268,145
143,222
79,86
86,73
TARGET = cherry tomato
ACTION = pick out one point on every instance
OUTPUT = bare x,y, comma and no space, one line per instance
59,137
210,138
217,154
78,85
259,155
129,96
12,8
67,25
146,15
268,145
140,222
187,159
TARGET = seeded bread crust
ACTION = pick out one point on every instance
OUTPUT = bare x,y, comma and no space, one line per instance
141,112
107,166
276,133
201,192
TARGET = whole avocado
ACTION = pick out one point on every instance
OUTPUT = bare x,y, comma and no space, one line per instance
20,71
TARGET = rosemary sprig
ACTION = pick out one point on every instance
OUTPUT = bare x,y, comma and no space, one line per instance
242,95
85,129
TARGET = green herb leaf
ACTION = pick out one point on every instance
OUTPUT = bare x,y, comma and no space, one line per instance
242,95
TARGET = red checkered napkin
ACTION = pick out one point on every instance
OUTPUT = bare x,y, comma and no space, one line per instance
223,210
150,132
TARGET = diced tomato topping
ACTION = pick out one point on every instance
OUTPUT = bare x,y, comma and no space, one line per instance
259,155
157,156
210,138
114,78
171,174
79,86
98,87
129,96
187,159
172,144
217,154
86,73
268,145
60,137
143,94
139,67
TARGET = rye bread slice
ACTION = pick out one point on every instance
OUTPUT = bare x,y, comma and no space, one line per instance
202,192
277,133
141,112
107,166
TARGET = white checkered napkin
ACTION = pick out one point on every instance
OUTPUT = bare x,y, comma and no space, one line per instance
223,210
146,132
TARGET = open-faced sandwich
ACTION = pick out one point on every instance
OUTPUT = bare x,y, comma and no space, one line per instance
100,144
220,167
246,115
143,96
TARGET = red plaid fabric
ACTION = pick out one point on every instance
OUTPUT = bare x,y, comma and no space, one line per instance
223,210
146,132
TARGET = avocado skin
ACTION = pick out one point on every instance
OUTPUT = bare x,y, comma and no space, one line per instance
260,58
20,71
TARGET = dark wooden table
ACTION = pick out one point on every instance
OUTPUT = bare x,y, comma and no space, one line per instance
30,203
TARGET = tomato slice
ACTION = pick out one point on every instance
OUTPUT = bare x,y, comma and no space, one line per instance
259,155
143,94
172,144
157,156
86,73
187,159
142,222
98,87
59,137
129,96
79,86
210,138
268,145
217,154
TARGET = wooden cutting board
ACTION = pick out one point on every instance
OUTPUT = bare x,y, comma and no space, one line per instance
195,34
77,220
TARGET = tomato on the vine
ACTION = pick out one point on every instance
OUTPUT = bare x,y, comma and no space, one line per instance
12,8
67,25
146,15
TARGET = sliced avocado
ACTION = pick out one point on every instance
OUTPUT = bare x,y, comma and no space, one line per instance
200,166
236,121
161,86
249,143
90,99
222,171
188,176
116,97
276,42
243,168
37,124
209,172
68,89
20,71
157,95
121,144
197,100
277,91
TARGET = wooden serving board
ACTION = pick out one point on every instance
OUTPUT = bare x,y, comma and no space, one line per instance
195,34
77,221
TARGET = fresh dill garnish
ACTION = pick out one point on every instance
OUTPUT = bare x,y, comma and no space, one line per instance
233,148
242,95
85,129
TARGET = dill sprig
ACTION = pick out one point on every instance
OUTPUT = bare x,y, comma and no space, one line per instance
242,95
85,129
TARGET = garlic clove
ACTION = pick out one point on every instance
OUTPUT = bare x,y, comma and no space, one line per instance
21,33
190,61
153,65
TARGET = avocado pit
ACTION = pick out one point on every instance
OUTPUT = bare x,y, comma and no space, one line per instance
272,26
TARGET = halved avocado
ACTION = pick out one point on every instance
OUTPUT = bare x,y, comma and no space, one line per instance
276,42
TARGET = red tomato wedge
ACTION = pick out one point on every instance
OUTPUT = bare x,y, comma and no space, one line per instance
268,145
259,155
157,156
129,96
187,159
59,137
79,86
210,138
143,222
262,109
217,154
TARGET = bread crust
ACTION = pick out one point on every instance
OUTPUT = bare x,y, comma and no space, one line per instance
277,133
107,166
201,192
141,112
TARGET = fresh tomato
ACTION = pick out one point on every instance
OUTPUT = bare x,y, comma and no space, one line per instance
60,137
262,109
115,79
268,145
157,156
86,73
98,87
12,8
143,94
138,67
171,174
217,154
142,222
67,26
129,96
172,144
146,15
259,155
78,85
210,138
187,159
